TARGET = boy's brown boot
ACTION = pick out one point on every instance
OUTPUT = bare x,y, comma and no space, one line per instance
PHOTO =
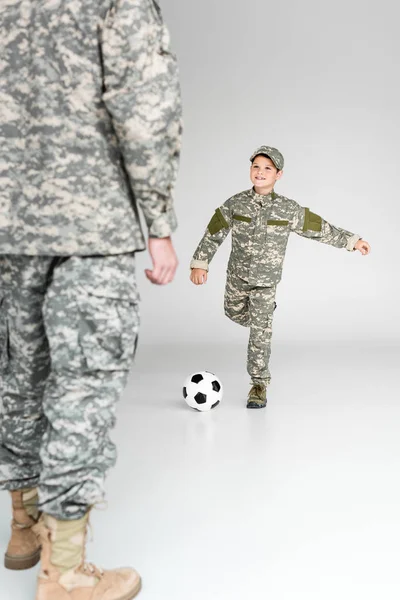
64,574
23,551
257,396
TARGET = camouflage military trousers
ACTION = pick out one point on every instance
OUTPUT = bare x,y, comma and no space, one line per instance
69,333
252,307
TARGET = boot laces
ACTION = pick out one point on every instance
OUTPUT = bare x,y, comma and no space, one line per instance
92,569
257,390
41,531
88,567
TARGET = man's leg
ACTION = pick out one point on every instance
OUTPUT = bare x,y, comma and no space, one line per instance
24,368
262,305
91,316
92,320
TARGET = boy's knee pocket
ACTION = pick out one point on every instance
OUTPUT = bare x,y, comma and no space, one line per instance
237,314
240,318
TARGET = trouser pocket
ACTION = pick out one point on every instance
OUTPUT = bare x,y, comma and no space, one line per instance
92,314
108,330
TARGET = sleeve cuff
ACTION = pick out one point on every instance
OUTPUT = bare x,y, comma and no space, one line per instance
199,264
352,241
164,225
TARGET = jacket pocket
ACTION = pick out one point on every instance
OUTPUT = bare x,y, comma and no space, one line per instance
242,218
277,222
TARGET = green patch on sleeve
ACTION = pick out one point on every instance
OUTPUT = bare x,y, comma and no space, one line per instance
242,218
276,222
312,222
217,222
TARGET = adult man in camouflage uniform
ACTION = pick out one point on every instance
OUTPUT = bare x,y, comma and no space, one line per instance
90,127
261,222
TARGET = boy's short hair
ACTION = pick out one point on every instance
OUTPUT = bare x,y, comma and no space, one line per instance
266,156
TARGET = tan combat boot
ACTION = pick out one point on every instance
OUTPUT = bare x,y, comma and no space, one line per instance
64,575
257,396
23,551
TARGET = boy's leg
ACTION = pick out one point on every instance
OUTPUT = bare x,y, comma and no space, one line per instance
25,366
91,317
236,300
262,305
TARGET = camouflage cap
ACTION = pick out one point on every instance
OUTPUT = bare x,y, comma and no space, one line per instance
273,154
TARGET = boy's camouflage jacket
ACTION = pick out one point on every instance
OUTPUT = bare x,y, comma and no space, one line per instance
260,231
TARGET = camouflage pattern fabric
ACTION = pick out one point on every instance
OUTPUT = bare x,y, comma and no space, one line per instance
260,226
71,327
90,126
253,307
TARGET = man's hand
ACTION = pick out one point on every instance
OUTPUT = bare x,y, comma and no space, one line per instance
363,247
198,276
165,261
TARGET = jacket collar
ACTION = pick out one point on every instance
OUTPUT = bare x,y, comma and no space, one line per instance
262,198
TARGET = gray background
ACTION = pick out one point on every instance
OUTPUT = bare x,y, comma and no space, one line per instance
318,80
299,500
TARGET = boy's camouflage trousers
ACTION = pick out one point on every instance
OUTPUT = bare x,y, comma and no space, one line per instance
252,307
69,328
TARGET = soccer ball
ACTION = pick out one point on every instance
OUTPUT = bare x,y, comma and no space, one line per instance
203,390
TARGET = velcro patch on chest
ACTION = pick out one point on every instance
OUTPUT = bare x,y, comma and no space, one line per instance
242,218
278,222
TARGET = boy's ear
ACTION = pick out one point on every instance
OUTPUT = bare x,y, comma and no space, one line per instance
279,174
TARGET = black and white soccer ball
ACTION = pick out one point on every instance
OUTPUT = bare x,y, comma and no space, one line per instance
203,390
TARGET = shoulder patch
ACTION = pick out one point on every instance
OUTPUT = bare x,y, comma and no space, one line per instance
312,222
217,222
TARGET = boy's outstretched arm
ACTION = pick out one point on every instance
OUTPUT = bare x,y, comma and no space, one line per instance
310,225
217,230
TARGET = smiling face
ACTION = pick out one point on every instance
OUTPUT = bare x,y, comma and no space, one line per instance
264,174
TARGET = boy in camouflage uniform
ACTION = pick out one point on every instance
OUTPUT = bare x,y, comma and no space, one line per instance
90,127
261,221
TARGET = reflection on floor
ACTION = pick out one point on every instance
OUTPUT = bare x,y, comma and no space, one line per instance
296,501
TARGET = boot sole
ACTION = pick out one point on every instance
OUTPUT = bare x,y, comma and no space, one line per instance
19,563
133,592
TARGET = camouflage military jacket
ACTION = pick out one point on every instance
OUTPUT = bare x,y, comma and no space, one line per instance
90,126
260,226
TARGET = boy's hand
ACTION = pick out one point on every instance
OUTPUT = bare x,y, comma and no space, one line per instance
363,247
198,276
164,259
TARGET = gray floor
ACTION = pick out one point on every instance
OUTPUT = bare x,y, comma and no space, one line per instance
298,501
